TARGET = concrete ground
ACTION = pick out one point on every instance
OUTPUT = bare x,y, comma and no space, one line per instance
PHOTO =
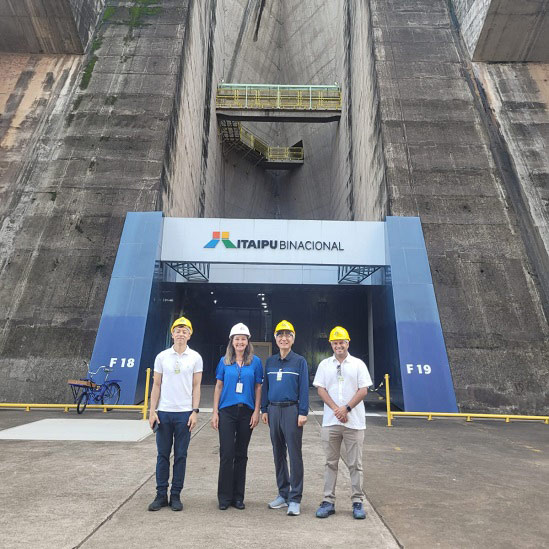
445,483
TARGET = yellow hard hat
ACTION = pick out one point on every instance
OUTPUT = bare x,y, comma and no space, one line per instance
284,325
182,321
339,333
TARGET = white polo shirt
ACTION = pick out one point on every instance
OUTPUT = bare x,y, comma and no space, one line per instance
355,376
176,390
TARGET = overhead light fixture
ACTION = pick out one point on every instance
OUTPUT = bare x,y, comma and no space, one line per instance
215,301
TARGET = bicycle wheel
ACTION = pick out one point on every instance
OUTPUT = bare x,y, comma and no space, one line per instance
111,395
82,402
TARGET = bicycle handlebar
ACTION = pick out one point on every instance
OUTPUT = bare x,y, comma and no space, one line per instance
94,373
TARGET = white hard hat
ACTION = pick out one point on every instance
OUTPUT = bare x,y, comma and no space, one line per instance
240,329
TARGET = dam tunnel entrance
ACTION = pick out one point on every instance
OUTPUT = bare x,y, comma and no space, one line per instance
313,310
371,277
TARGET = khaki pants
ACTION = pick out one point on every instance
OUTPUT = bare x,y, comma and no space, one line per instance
332,437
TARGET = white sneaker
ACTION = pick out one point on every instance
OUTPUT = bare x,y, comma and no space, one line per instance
293,509
278,503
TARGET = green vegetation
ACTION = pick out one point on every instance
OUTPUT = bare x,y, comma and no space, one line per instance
86,77
108,13
136,15
110,99
77,102
96,44
141,9
53,195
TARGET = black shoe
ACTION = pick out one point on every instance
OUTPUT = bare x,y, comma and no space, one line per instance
238,504
223,506
161,500
175,503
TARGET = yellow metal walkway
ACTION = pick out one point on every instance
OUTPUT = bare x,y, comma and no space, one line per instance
278,103
254,149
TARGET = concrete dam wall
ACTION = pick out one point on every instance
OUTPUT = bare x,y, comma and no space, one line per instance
131,126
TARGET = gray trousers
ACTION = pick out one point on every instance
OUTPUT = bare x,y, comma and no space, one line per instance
286,435
353,439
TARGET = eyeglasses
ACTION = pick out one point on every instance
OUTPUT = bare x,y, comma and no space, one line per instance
284,334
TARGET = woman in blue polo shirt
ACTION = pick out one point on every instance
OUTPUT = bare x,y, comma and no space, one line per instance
237,399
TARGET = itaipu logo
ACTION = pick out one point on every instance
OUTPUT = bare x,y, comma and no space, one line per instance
318,245
216,237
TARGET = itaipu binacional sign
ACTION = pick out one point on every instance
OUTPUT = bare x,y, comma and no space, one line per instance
274,241
273,244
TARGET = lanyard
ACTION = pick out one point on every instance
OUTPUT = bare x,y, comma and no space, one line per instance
239,370
339,382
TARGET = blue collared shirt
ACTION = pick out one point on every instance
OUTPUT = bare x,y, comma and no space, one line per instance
249,376
293,384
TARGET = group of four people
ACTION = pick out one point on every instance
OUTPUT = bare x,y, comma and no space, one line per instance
243,392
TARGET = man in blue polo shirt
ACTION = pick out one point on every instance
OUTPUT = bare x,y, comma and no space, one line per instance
285,405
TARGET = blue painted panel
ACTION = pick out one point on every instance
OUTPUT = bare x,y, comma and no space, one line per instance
121,340
425,376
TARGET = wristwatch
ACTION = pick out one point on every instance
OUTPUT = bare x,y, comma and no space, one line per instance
348,408
196,410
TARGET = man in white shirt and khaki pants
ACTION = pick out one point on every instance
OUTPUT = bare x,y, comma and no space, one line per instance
342,382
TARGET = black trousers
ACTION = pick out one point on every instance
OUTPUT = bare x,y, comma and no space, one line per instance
234,438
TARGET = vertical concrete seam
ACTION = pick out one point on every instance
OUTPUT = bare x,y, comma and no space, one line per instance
174,118
537,266
206,122
238,44
377,100
347,29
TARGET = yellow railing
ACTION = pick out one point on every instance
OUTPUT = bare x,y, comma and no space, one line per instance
269,153
267,96
285,153
66,407
469,416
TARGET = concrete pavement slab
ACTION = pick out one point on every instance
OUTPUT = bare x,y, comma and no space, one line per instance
109,430
452,484
445,483
202,524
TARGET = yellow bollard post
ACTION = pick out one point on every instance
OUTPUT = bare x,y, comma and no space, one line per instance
146,399
388,401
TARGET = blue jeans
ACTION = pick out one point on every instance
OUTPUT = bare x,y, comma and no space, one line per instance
172,430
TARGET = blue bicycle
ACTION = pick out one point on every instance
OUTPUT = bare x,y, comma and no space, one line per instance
87,390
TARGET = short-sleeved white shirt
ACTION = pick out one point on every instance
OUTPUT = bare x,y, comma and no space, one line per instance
355,376
176,390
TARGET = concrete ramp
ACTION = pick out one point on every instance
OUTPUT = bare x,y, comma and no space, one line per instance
104,430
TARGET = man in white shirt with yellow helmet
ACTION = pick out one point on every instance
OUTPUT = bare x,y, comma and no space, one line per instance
175,398
342,382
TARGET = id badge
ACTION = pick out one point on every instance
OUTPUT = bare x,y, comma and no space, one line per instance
176,369
239,387
279,375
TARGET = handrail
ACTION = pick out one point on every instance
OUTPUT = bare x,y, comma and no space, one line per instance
469,416
228,85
